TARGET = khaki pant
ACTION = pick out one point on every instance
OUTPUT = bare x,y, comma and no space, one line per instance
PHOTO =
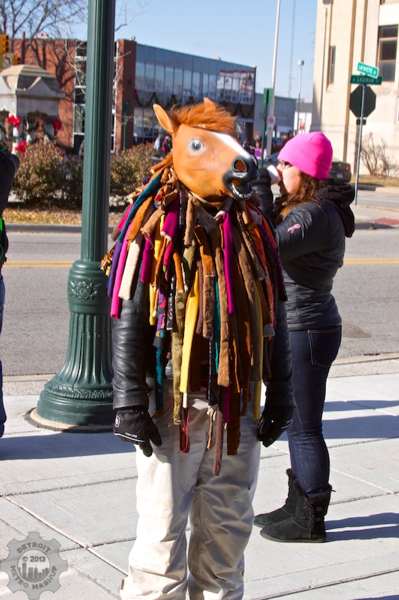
172,487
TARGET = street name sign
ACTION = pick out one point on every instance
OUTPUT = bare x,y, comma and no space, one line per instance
369,70
366,80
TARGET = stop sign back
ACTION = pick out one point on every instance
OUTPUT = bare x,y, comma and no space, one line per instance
355,103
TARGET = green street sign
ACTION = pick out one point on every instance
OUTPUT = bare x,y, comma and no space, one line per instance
366,80
368,70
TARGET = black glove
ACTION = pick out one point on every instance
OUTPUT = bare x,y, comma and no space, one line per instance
261,186
135,425
273,422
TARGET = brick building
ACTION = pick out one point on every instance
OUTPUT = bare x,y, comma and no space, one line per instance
143,75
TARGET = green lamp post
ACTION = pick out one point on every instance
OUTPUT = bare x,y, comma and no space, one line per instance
80,395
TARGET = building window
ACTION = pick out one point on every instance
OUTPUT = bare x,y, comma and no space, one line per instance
140,76
212,86
196,85
205,83
331,65
387,47
149,77
169,80
159,78
178,82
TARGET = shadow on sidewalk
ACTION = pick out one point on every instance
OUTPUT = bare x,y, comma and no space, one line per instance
370,527
61,445
341,405
394,597
375,426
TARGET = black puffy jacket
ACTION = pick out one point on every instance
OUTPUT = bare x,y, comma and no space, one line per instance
8,166
312,246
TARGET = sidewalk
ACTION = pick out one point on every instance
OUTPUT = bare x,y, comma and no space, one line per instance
79,489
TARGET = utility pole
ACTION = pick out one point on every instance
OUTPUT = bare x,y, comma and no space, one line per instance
80,395
290,76
270,125
300,65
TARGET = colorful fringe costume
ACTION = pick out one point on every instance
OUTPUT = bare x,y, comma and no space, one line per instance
214,275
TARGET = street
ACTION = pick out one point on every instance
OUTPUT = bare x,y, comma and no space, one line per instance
37,317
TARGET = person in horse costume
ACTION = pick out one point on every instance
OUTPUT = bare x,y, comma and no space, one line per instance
198,324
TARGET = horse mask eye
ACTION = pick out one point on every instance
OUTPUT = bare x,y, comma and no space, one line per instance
196,146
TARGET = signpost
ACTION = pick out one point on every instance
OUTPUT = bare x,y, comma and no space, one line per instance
362,103
267,98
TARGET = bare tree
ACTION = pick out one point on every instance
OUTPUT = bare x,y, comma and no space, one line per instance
376,158
40,18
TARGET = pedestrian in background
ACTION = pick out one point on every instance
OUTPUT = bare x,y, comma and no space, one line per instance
312,221
8,166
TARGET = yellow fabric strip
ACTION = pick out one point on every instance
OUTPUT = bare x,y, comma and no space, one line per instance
153,290
192,307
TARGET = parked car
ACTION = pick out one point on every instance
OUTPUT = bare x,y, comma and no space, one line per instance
340,172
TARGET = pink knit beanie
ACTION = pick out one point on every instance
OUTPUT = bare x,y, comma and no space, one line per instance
311,153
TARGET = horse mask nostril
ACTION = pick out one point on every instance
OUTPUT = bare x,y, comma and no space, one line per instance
240,165
244,168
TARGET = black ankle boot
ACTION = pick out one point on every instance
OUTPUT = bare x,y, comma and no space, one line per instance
280,513
306,524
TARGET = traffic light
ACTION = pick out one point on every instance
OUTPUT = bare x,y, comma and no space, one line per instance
4,43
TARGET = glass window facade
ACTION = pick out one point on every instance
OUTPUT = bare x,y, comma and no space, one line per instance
175,77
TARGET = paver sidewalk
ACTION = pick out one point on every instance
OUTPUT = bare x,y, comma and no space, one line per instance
80,490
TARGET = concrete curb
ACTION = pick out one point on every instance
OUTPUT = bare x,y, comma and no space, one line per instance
29,227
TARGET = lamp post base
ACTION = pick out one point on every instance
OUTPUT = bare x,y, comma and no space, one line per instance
81,393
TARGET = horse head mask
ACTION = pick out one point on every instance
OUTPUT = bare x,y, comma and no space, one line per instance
207,158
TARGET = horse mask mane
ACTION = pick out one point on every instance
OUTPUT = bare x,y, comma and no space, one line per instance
195,248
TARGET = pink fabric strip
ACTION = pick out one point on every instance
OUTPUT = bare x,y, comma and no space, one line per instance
124,217
171,221
167,258
116,301
146,265
228,260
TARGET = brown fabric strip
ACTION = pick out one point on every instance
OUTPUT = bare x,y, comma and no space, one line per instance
138,220
219,431
149,227
190,222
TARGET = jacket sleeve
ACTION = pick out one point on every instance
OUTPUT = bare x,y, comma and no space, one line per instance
131,351
279,387
9,164
303,231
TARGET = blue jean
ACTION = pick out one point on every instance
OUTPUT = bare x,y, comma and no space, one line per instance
313,353
2,411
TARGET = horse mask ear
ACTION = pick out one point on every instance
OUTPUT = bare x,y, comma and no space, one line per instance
164,119
208,102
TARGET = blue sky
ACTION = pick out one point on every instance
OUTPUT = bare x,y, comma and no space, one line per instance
234,30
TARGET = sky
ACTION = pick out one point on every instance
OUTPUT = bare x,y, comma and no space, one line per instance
239,31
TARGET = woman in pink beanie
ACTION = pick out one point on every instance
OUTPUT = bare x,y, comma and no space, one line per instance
312,218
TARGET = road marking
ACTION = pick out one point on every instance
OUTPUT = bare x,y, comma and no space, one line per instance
371,261
37,264
62,264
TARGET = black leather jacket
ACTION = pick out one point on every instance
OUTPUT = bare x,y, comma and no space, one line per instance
133,355
312,246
